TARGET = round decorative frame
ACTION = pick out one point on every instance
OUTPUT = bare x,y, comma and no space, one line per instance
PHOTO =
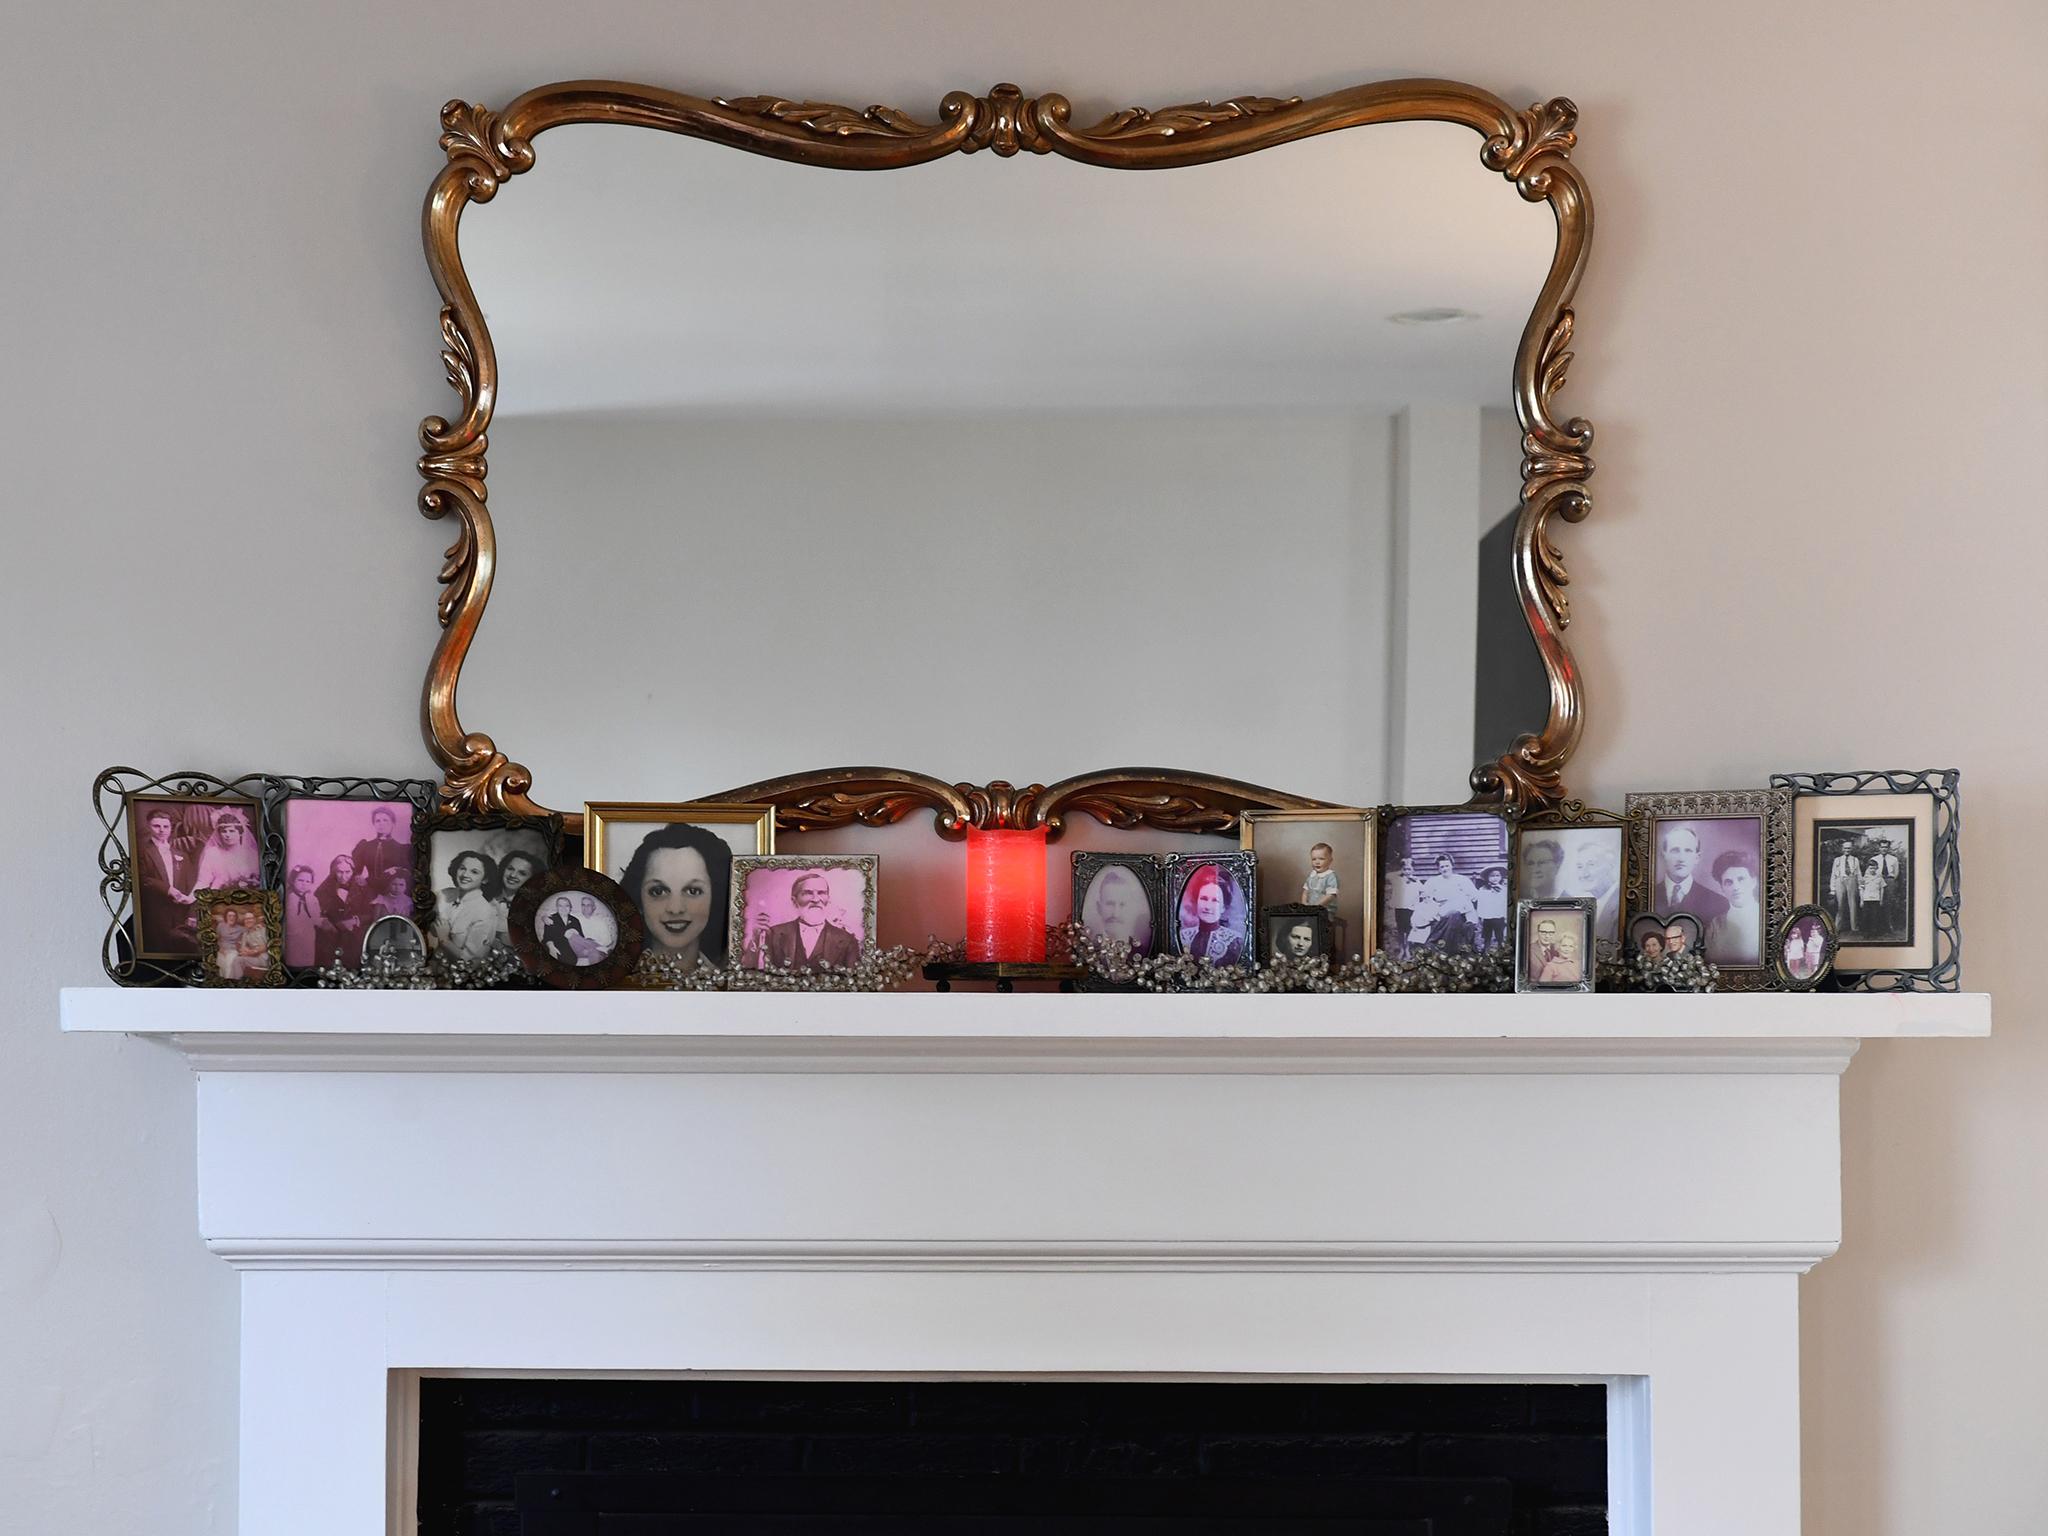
1530,149
608,972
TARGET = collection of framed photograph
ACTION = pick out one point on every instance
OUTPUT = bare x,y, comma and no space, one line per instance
1848,877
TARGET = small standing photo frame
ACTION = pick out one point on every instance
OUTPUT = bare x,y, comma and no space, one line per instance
1877,850
1556,944
1805,951
1295,931
1121,897
804,914
1212,906
574,928
1656,937
240,930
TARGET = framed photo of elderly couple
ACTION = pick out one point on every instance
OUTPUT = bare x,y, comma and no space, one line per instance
1876,851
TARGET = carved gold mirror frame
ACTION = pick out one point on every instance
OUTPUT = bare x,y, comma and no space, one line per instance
1531,150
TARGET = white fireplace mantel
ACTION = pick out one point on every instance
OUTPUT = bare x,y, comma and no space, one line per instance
1613,1188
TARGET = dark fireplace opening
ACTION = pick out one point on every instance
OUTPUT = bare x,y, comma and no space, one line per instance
613,1457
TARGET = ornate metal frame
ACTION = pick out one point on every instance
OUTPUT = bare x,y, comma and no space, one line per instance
1531,149
1771,808
1944,785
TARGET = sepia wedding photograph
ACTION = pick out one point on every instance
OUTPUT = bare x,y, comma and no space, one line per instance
178,846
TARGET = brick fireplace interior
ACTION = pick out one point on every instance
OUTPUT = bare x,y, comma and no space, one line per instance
613,1457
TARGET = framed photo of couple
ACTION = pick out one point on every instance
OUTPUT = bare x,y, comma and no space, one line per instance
1876,851
1723,858
1577,852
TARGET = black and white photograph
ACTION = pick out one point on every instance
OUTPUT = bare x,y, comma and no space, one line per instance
1321,858
1806,948
678,873
468,872
1554,945
575,928
1555,858
179,846
346,864
1120,896
1211,902
1877,850
395,939
1722,857
1296,931
1444,882
1866,870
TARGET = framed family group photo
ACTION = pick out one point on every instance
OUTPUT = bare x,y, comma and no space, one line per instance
1876,851
1722,858
1443,880
675,864
348,857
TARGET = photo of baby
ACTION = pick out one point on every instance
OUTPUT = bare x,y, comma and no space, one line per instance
1326,859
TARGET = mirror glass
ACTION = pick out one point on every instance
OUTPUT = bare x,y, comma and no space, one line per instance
1005,469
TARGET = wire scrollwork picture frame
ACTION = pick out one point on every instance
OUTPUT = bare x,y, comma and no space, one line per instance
1943,868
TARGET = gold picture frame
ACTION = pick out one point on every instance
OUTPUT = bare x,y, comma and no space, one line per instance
1530,150
599,816
1278,888
212,903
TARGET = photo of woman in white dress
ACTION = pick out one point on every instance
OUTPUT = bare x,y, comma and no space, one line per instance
230,858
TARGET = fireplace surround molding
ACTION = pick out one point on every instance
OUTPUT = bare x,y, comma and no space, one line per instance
1608,1188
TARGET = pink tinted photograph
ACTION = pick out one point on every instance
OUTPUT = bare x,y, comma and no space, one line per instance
794,913
346,864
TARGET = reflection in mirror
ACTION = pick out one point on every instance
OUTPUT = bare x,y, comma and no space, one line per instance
1005,469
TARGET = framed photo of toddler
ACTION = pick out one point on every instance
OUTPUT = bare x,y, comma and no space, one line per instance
1322,858
1723,858
1876,851
240,929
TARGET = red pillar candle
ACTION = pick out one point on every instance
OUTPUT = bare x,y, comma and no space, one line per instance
1006,894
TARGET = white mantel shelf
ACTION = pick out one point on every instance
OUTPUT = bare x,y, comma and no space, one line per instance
1610,1188
315,1030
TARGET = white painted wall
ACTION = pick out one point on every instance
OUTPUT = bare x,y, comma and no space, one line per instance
1812,340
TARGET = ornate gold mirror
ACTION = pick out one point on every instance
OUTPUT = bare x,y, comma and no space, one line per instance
1021,466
